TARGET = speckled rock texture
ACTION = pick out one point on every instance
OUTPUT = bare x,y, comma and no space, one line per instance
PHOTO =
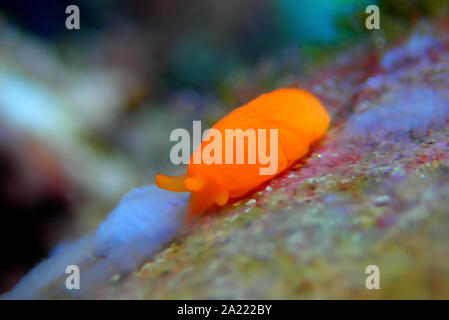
374,190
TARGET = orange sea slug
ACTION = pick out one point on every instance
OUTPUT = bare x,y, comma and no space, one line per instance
300,120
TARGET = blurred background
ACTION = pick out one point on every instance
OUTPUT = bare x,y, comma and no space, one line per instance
85,115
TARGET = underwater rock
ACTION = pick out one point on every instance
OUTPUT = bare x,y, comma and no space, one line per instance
410,110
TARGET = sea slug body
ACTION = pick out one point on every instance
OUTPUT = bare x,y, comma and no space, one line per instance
299,120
